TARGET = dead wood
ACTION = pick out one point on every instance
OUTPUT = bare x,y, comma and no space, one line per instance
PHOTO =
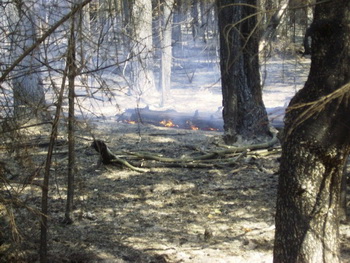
215,159
149,161
234,149
172,118
107,157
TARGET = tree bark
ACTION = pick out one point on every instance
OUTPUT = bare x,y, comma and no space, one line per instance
316,146
274,19
72,73
46,180
166,50
178,18
142,47
28,91
195,19
244,112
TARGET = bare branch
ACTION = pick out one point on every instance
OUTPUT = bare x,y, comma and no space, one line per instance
42,39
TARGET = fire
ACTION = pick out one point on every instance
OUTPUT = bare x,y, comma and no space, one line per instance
130,122
211,129
191,126
168,123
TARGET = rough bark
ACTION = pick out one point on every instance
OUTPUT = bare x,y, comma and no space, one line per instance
316,146
244,112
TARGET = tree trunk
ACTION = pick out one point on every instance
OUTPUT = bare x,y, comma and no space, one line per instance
46,178
28,92
343,200
195,19
244,112
204,21
274,18
178,19
72,72
166,50
142,48
316,146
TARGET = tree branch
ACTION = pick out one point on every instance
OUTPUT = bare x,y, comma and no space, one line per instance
209,160
74,10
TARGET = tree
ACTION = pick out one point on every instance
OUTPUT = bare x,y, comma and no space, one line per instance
178,19
142,46
166,49
274,15
72,72
28,92
316,145
195,19
244,112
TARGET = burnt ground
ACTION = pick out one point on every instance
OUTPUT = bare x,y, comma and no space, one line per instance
167,214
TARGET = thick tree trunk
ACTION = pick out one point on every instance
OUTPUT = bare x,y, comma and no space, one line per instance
316,146
28,92
142,48
308,202
244,111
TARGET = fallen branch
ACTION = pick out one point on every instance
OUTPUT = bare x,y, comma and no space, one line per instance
186,163
206,161
235,149
215,159
107,157
218,159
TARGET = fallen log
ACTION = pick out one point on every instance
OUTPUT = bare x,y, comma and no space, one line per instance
174,119
196,121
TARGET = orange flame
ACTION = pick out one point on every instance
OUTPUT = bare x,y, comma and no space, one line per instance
130,122
167,123
191,126
212,129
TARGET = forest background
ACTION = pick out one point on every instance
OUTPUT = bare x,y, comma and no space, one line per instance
72,67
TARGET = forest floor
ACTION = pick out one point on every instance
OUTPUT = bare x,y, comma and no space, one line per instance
195,215
167,214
